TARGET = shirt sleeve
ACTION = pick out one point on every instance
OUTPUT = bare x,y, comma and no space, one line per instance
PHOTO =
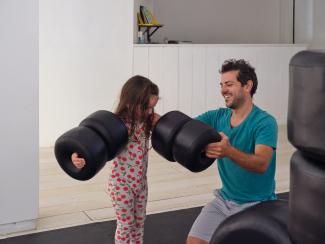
206,117
266,132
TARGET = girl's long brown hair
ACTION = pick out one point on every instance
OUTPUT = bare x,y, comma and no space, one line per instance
135,96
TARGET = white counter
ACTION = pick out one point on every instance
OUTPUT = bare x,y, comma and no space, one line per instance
220,45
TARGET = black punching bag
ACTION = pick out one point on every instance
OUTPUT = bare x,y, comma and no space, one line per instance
306,111
306,120
263,223
307,200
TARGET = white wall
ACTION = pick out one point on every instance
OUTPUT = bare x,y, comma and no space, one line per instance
310,23
286,21
86,52
188,76
304,21
319,25
85,57
225,21
19,115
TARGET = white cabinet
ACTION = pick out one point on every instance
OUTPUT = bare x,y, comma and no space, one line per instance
188,75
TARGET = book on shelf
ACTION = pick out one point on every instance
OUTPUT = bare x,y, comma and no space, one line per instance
139,19
154,20
147,16
142,15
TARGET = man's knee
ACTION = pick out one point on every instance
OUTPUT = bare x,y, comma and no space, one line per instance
195,240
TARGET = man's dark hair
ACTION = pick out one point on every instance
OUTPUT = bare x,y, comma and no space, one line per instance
246,72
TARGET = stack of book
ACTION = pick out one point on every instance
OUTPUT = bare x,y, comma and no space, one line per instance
145,17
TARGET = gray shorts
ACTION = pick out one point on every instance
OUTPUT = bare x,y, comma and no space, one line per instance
213,214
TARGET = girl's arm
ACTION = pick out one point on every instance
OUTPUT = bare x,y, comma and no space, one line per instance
155,118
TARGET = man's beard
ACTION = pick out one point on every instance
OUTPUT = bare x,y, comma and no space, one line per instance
237,102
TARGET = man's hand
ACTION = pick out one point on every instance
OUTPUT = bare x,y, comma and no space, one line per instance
218,149
257,162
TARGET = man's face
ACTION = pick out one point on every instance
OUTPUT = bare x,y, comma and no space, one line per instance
231,89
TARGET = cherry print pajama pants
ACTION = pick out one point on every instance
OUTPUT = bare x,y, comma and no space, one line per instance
128,189
130,209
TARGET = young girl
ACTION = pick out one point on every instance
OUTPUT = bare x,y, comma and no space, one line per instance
127,183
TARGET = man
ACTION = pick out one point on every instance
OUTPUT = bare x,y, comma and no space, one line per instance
246,154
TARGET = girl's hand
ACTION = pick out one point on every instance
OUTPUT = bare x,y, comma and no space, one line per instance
79,163
156,117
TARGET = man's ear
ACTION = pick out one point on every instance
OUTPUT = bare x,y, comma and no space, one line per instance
249,85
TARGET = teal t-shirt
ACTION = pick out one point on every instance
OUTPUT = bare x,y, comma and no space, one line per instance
259,127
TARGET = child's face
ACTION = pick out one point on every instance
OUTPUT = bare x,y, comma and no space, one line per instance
152,103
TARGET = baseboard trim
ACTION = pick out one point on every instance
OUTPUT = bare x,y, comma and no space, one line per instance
17,227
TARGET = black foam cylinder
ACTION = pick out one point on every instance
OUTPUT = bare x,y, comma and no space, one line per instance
98,139
307,200
88,144
306,108
165,131
264,223
190,142
109,127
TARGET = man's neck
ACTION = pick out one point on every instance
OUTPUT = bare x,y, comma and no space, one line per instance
241,113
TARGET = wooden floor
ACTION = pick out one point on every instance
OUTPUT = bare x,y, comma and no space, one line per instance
65,202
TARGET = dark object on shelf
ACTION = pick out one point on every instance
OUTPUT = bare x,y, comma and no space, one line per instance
179,42
148,28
